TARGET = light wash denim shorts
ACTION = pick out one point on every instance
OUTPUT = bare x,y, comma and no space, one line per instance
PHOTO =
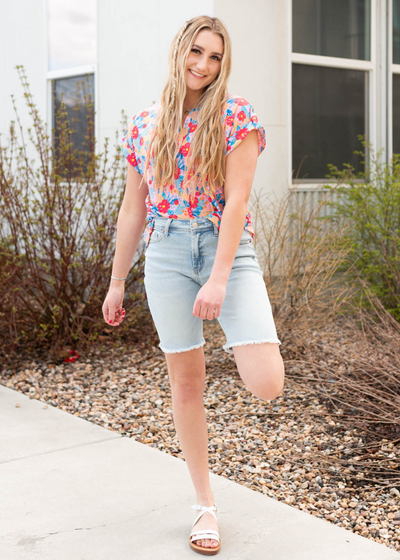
178,262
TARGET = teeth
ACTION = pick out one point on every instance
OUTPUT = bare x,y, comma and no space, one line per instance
196,74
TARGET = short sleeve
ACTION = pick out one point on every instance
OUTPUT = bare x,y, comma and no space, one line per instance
127,145
240,123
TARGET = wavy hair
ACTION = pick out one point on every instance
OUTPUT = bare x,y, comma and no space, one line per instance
206,157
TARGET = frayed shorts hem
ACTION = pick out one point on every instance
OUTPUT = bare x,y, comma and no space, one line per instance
228,347
168,351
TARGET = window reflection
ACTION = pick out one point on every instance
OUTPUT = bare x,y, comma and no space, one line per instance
396,31
338,28
77,93
328,109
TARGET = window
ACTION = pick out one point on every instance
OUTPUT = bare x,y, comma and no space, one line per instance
396,76
71,38
331,77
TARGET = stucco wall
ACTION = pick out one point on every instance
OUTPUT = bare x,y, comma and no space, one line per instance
259,35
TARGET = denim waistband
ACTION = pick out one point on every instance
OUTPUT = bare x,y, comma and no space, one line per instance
193,225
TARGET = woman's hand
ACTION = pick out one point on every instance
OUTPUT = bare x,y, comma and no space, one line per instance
113,311
210,296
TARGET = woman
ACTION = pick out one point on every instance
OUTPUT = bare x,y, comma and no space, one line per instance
200,261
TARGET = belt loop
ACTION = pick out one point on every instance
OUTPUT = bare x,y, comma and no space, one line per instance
167,224
216,232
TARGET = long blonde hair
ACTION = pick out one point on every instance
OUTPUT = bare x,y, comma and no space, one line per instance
209,137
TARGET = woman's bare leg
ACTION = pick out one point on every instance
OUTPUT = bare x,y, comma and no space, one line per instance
187,372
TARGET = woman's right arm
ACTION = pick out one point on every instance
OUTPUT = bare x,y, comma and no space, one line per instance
130,224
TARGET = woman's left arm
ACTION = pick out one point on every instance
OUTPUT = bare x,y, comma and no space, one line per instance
240,169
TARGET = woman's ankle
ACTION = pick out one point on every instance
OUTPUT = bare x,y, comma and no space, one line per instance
205,499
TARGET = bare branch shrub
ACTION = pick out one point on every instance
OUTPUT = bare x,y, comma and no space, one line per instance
58,217
300,253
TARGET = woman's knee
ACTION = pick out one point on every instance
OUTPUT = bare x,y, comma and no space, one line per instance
262,369
187,372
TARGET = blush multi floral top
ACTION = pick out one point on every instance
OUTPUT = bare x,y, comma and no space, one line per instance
197,201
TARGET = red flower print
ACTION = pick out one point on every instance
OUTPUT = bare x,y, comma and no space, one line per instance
132,159
192,127
193,202
177,173
240,134
241,101
144,114
163,206
141,141
229,120
135,132
228,148
171,187
241,116
173,216
145,126
190,213
254,118
176,202
185,149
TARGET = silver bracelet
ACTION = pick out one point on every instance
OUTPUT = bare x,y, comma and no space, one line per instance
113,277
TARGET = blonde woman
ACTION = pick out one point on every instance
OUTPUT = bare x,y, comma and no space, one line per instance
191,162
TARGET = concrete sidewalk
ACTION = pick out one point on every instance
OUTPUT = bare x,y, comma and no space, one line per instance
72,490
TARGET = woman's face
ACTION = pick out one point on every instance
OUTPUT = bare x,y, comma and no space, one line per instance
204,59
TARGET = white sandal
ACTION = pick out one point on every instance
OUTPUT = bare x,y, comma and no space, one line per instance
204,533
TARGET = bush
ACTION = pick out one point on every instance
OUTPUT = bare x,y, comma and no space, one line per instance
58,219
369,204
300,254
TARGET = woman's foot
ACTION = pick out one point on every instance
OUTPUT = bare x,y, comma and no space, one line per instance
206,521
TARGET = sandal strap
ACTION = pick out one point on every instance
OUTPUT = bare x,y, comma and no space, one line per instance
206,534
204,509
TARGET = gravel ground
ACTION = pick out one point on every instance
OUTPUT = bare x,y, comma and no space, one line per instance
280,448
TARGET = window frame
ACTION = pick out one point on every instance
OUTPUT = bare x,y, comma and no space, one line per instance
376,90
68,73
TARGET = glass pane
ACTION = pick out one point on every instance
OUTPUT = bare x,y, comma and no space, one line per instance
77,93
396,31
71,33
339,28
329,111
396,113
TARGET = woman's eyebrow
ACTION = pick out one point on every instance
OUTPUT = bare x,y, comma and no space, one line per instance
201,48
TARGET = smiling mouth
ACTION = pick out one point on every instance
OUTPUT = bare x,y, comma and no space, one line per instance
196,75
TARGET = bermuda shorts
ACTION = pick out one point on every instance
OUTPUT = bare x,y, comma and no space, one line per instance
178,262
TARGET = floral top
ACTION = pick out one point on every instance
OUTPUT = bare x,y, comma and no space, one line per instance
176,200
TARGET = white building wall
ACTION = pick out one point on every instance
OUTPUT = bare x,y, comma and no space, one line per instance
133,43
260,73
22,42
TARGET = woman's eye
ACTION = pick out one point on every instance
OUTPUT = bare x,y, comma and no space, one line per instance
215,57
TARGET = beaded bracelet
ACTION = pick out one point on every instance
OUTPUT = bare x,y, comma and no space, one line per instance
113,277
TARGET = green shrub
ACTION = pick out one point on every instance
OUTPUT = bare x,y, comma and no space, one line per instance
369,203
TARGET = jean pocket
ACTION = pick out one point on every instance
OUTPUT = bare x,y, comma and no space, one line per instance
155,236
